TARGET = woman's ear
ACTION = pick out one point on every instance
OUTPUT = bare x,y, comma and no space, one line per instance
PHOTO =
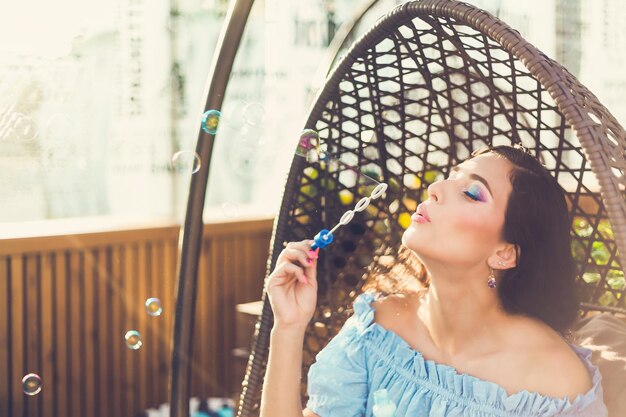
505,257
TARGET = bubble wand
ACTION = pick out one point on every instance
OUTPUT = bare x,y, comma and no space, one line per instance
325,236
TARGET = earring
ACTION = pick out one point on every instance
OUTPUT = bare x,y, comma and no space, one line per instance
500,263
491,282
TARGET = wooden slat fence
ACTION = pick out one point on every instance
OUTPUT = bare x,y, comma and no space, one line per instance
66,302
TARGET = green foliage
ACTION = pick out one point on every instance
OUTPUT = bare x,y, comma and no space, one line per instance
600,253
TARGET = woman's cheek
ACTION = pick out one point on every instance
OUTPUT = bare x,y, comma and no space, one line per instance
472,224
487,228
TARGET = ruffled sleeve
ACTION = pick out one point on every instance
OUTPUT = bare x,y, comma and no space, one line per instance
338,380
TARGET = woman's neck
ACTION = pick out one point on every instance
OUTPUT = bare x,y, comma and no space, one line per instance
462,318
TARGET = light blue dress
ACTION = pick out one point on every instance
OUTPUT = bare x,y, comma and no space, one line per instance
365,357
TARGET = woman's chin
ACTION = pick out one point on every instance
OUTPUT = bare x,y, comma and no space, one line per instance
408,238
410,233
413,240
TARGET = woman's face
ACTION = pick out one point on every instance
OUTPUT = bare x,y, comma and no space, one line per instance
466,213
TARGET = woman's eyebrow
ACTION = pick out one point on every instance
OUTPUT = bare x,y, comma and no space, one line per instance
475,177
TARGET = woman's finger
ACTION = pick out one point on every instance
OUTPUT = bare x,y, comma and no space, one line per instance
293,254
290,269
304,245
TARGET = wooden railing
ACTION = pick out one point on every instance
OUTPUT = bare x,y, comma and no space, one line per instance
67,300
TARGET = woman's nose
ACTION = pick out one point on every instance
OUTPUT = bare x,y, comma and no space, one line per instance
434,190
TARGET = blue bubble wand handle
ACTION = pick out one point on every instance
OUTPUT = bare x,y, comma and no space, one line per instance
325,237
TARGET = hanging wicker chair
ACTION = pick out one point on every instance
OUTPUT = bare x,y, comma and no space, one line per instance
433,81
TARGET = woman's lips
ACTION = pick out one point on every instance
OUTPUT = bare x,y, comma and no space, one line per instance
422,212
418,218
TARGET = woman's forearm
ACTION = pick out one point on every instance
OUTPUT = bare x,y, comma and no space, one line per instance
281,387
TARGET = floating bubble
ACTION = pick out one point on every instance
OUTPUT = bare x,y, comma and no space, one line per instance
254,113
319,156
232,113
309,140
229,210
312,156
211,121
133,339
153,306
186,161
247,154
25,127
31,384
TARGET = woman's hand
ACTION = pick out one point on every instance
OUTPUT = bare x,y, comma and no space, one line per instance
292,286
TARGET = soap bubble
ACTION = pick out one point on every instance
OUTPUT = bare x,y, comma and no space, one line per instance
133,339
31,384
247,154
232,112
25,127
211,121
230,210
309,141
154,307
254,114
314,156
186,161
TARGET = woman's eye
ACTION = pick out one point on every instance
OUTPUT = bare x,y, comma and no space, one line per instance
474,193
470,195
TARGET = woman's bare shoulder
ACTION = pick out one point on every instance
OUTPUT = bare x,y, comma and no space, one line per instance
559,372
553,368
538,359
308,413
397,313
388,309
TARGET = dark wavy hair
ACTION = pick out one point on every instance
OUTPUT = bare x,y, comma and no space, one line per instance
543,283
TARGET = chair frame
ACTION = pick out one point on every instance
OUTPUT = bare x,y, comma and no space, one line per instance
601,137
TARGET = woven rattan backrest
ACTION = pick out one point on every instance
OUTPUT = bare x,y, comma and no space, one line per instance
430,83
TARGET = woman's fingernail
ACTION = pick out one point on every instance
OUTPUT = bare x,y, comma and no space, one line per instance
313,254
309,261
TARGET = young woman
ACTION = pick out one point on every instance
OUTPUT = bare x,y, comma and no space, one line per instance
484,338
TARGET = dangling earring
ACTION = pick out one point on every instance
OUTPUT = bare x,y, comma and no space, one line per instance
491,282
